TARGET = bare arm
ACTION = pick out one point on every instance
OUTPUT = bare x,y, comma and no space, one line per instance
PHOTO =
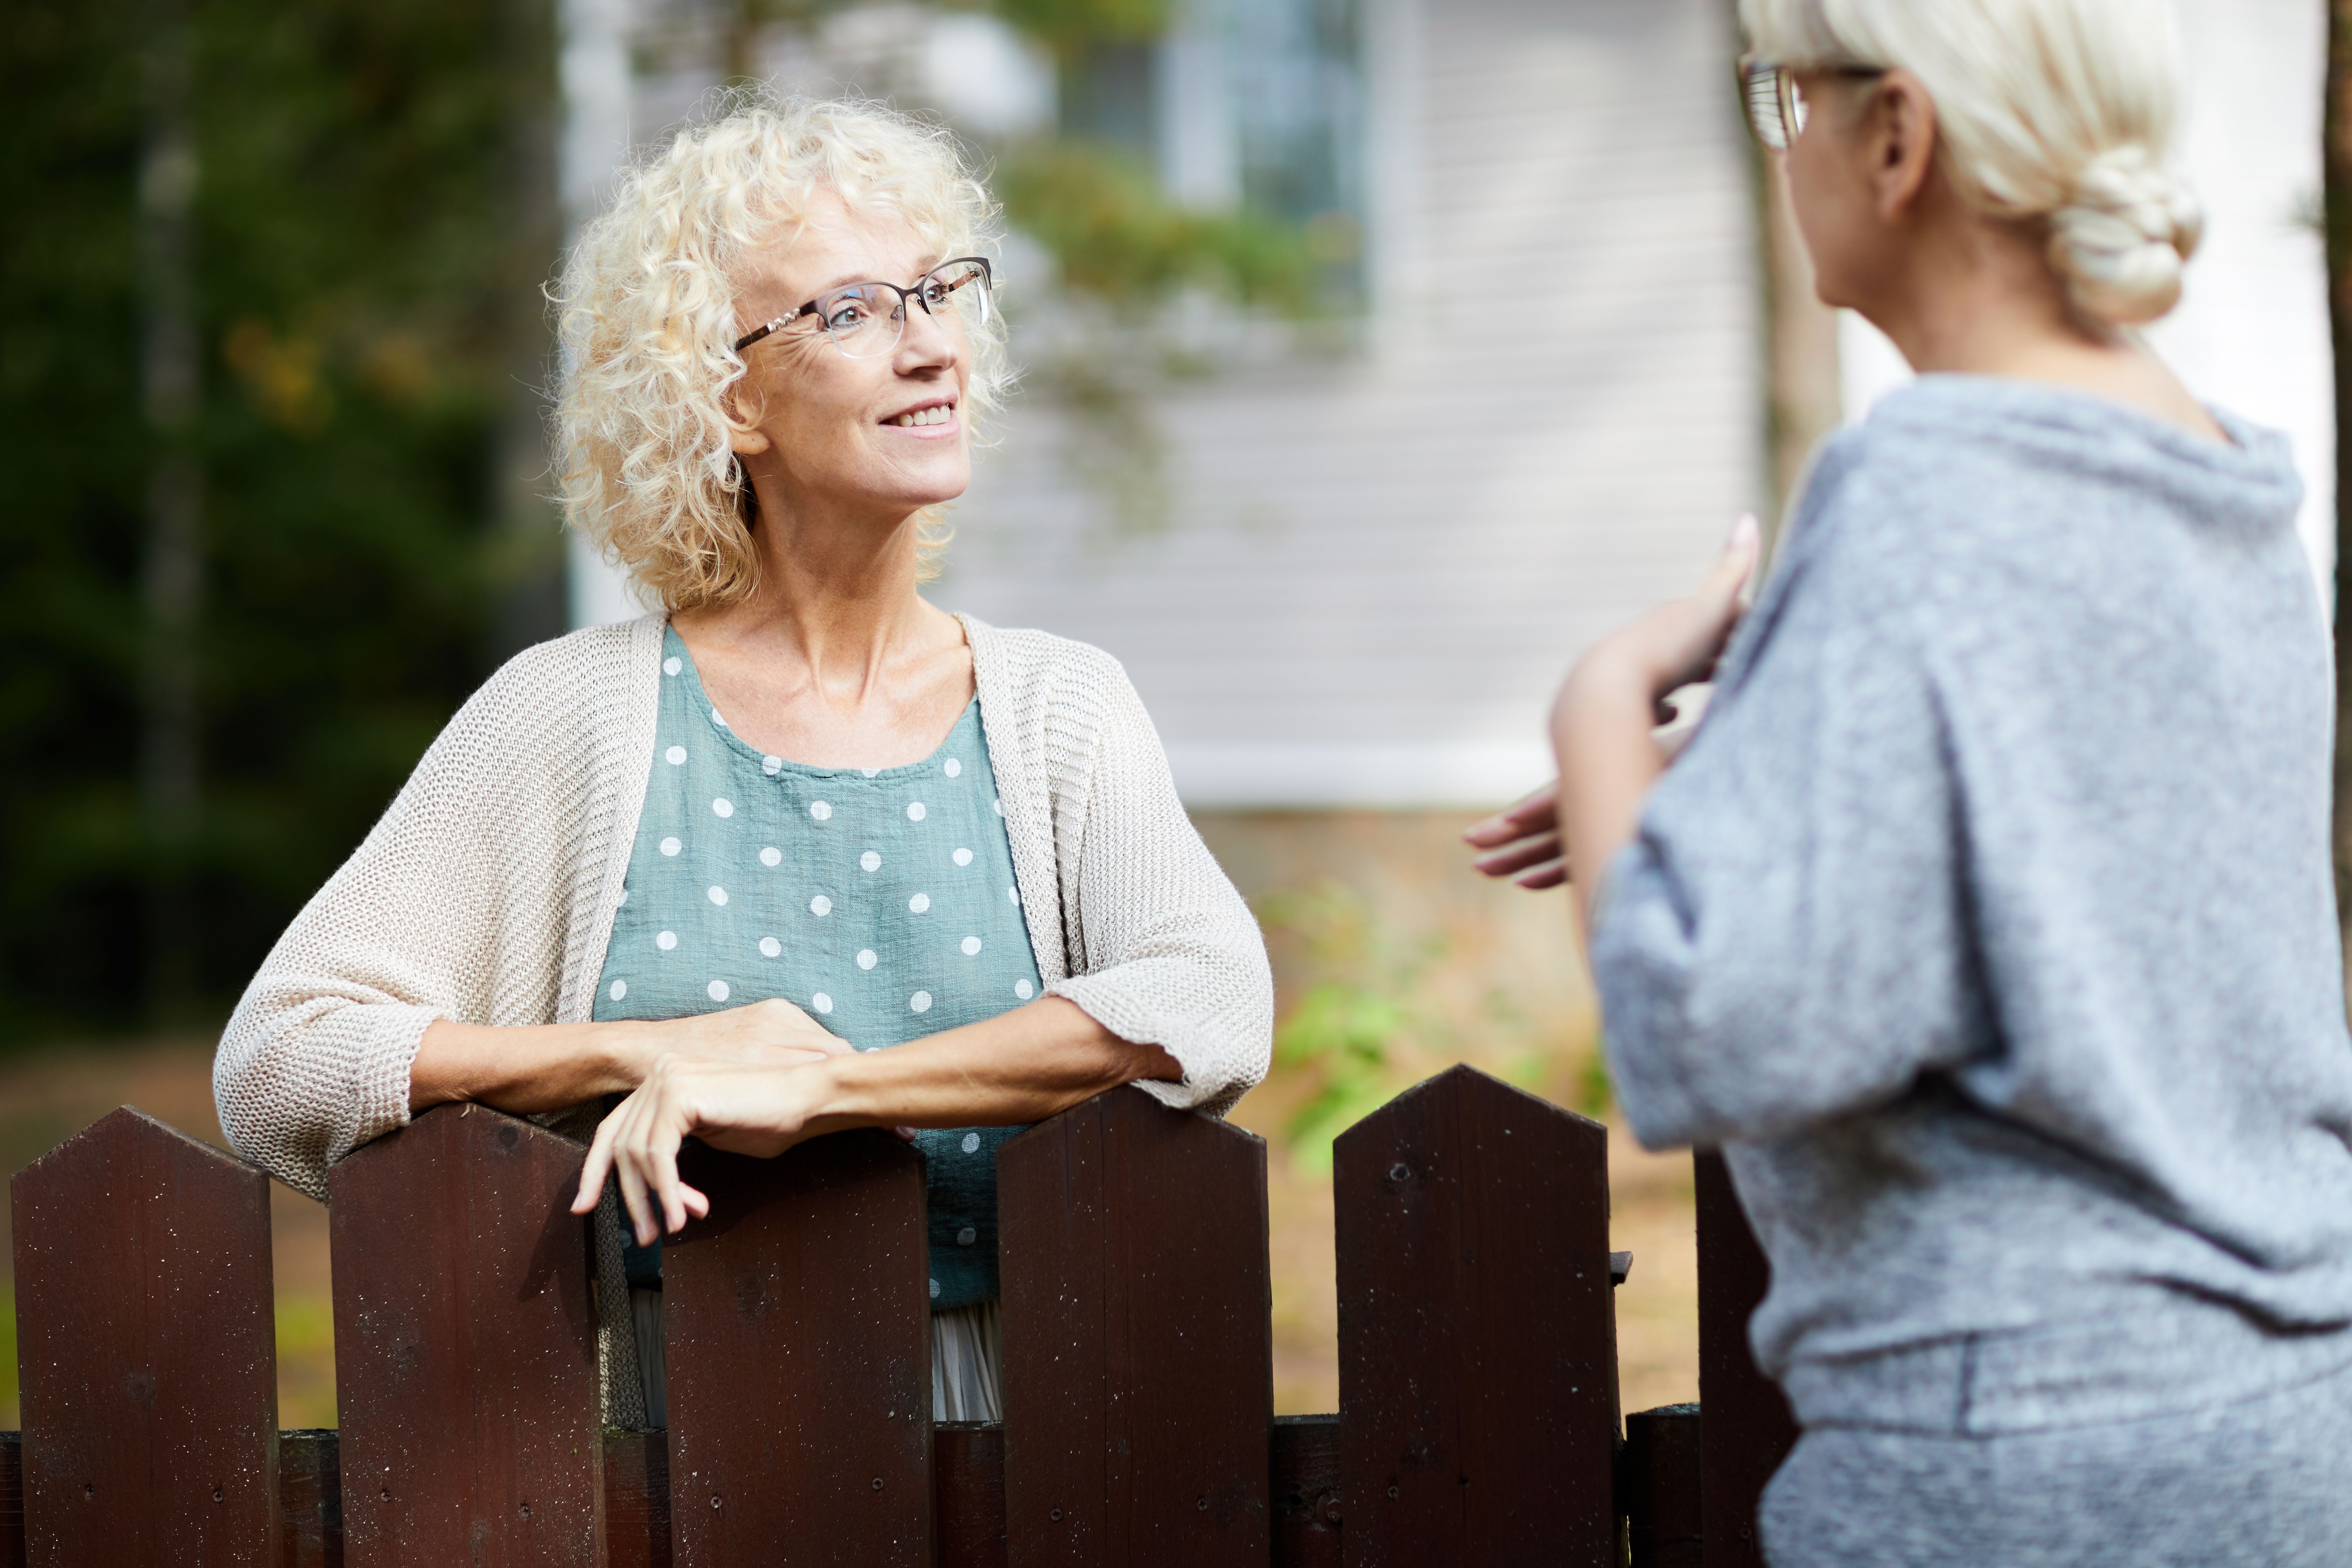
1019,1067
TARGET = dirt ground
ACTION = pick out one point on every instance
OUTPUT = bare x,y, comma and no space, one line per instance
49,1095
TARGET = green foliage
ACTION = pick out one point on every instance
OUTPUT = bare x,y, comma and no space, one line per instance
1116,237
353,255
1348,1027
1070,26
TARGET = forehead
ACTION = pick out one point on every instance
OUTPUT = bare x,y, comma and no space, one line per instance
833,243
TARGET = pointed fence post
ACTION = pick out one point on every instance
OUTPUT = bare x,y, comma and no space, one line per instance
464,1347
1478,1338
796,1322
1138,1384
148,1350
1745,1427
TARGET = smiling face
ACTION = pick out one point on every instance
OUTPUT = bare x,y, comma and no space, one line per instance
827,433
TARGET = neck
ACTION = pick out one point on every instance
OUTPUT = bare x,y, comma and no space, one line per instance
837,597
1983,302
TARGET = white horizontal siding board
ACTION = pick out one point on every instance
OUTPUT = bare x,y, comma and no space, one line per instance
1376,569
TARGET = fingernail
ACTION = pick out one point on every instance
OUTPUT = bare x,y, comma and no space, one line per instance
1746,530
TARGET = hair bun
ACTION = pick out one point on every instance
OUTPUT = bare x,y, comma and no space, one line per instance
2121,238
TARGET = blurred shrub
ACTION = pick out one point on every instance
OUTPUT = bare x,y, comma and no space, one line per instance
354,244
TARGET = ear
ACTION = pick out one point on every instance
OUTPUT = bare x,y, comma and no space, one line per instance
743,438
1902,134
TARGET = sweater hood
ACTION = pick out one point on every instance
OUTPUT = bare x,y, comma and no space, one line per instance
2249,487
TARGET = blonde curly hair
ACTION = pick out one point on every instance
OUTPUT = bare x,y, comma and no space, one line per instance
645,317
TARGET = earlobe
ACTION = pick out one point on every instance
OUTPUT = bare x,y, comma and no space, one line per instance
746,441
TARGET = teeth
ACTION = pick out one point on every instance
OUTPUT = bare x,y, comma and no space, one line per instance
938,415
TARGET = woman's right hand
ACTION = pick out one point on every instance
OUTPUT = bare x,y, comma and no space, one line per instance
773,1033
1522,841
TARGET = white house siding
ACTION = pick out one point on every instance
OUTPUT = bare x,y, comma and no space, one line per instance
1377,568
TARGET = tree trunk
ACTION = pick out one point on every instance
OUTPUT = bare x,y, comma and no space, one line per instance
2336,155
170,375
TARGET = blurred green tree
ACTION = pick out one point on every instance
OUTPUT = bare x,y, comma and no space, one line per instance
354,254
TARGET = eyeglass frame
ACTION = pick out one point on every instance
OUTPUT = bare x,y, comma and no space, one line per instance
1754,69
987,282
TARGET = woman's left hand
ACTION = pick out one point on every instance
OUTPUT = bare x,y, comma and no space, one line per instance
744,1108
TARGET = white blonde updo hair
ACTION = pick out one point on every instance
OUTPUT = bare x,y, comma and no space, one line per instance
646,320
2053,112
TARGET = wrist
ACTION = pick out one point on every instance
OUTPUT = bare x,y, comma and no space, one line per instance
628,1050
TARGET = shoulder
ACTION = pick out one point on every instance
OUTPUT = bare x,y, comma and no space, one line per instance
1036,670
574,687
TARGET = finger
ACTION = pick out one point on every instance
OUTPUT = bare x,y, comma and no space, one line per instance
1519,857
598,1165
1550,874
1532,812
697,1202
1738,561
904,1134
663,1168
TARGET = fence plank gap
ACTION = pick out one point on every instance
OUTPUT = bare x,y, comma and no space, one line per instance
797,1326
1138,1384
310,1500
637,1500
1477,1336
148,1350
1748,1429
464,1346
1305,1462
1665,1517
968,1494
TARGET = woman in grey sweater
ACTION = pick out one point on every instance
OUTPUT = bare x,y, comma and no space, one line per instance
1987,922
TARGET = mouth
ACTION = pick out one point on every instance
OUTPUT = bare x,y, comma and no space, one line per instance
939,411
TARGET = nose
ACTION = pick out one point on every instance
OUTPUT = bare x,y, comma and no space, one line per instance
929,338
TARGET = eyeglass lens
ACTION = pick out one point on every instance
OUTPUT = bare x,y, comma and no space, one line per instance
1776,105
868,319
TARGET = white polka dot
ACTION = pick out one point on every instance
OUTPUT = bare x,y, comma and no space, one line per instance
953,768
915,811
771,766
666,941
997,806
962,857
821,1002
821,810
717,719
770,947
1013,894
620,989
772,856
625,895
869,861
671,846
935,1290
820,906
718,896
717,990
722,806
869,772
920,1001
971,1142
1024,990
866,957
676,755
970,945
671,665
966,1236
919,902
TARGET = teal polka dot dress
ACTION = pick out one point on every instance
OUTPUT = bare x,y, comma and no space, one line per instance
882,901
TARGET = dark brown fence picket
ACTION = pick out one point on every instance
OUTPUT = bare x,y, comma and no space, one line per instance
310,1500
1664,1467
1747,1427
968,1494
464,1347
1478,1338
12,1499
148,1350
798,1330
1138,1347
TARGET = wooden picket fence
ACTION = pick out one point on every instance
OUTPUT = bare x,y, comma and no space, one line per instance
1477,1359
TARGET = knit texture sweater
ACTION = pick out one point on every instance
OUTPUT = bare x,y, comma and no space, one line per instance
486,895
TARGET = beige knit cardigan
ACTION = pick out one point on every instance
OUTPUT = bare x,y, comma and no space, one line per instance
486,895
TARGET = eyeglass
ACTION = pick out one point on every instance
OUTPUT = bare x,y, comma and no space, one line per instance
1777,109
868,319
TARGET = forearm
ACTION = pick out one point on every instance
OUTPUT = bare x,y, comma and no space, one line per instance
1019,1067
526,1068
1608,764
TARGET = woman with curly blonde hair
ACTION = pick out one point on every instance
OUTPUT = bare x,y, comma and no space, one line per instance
707,863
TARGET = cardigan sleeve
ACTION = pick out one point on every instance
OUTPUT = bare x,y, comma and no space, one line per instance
1165,952
454,906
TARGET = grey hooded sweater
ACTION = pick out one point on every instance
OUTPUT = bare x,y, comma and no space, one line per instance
1988,924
